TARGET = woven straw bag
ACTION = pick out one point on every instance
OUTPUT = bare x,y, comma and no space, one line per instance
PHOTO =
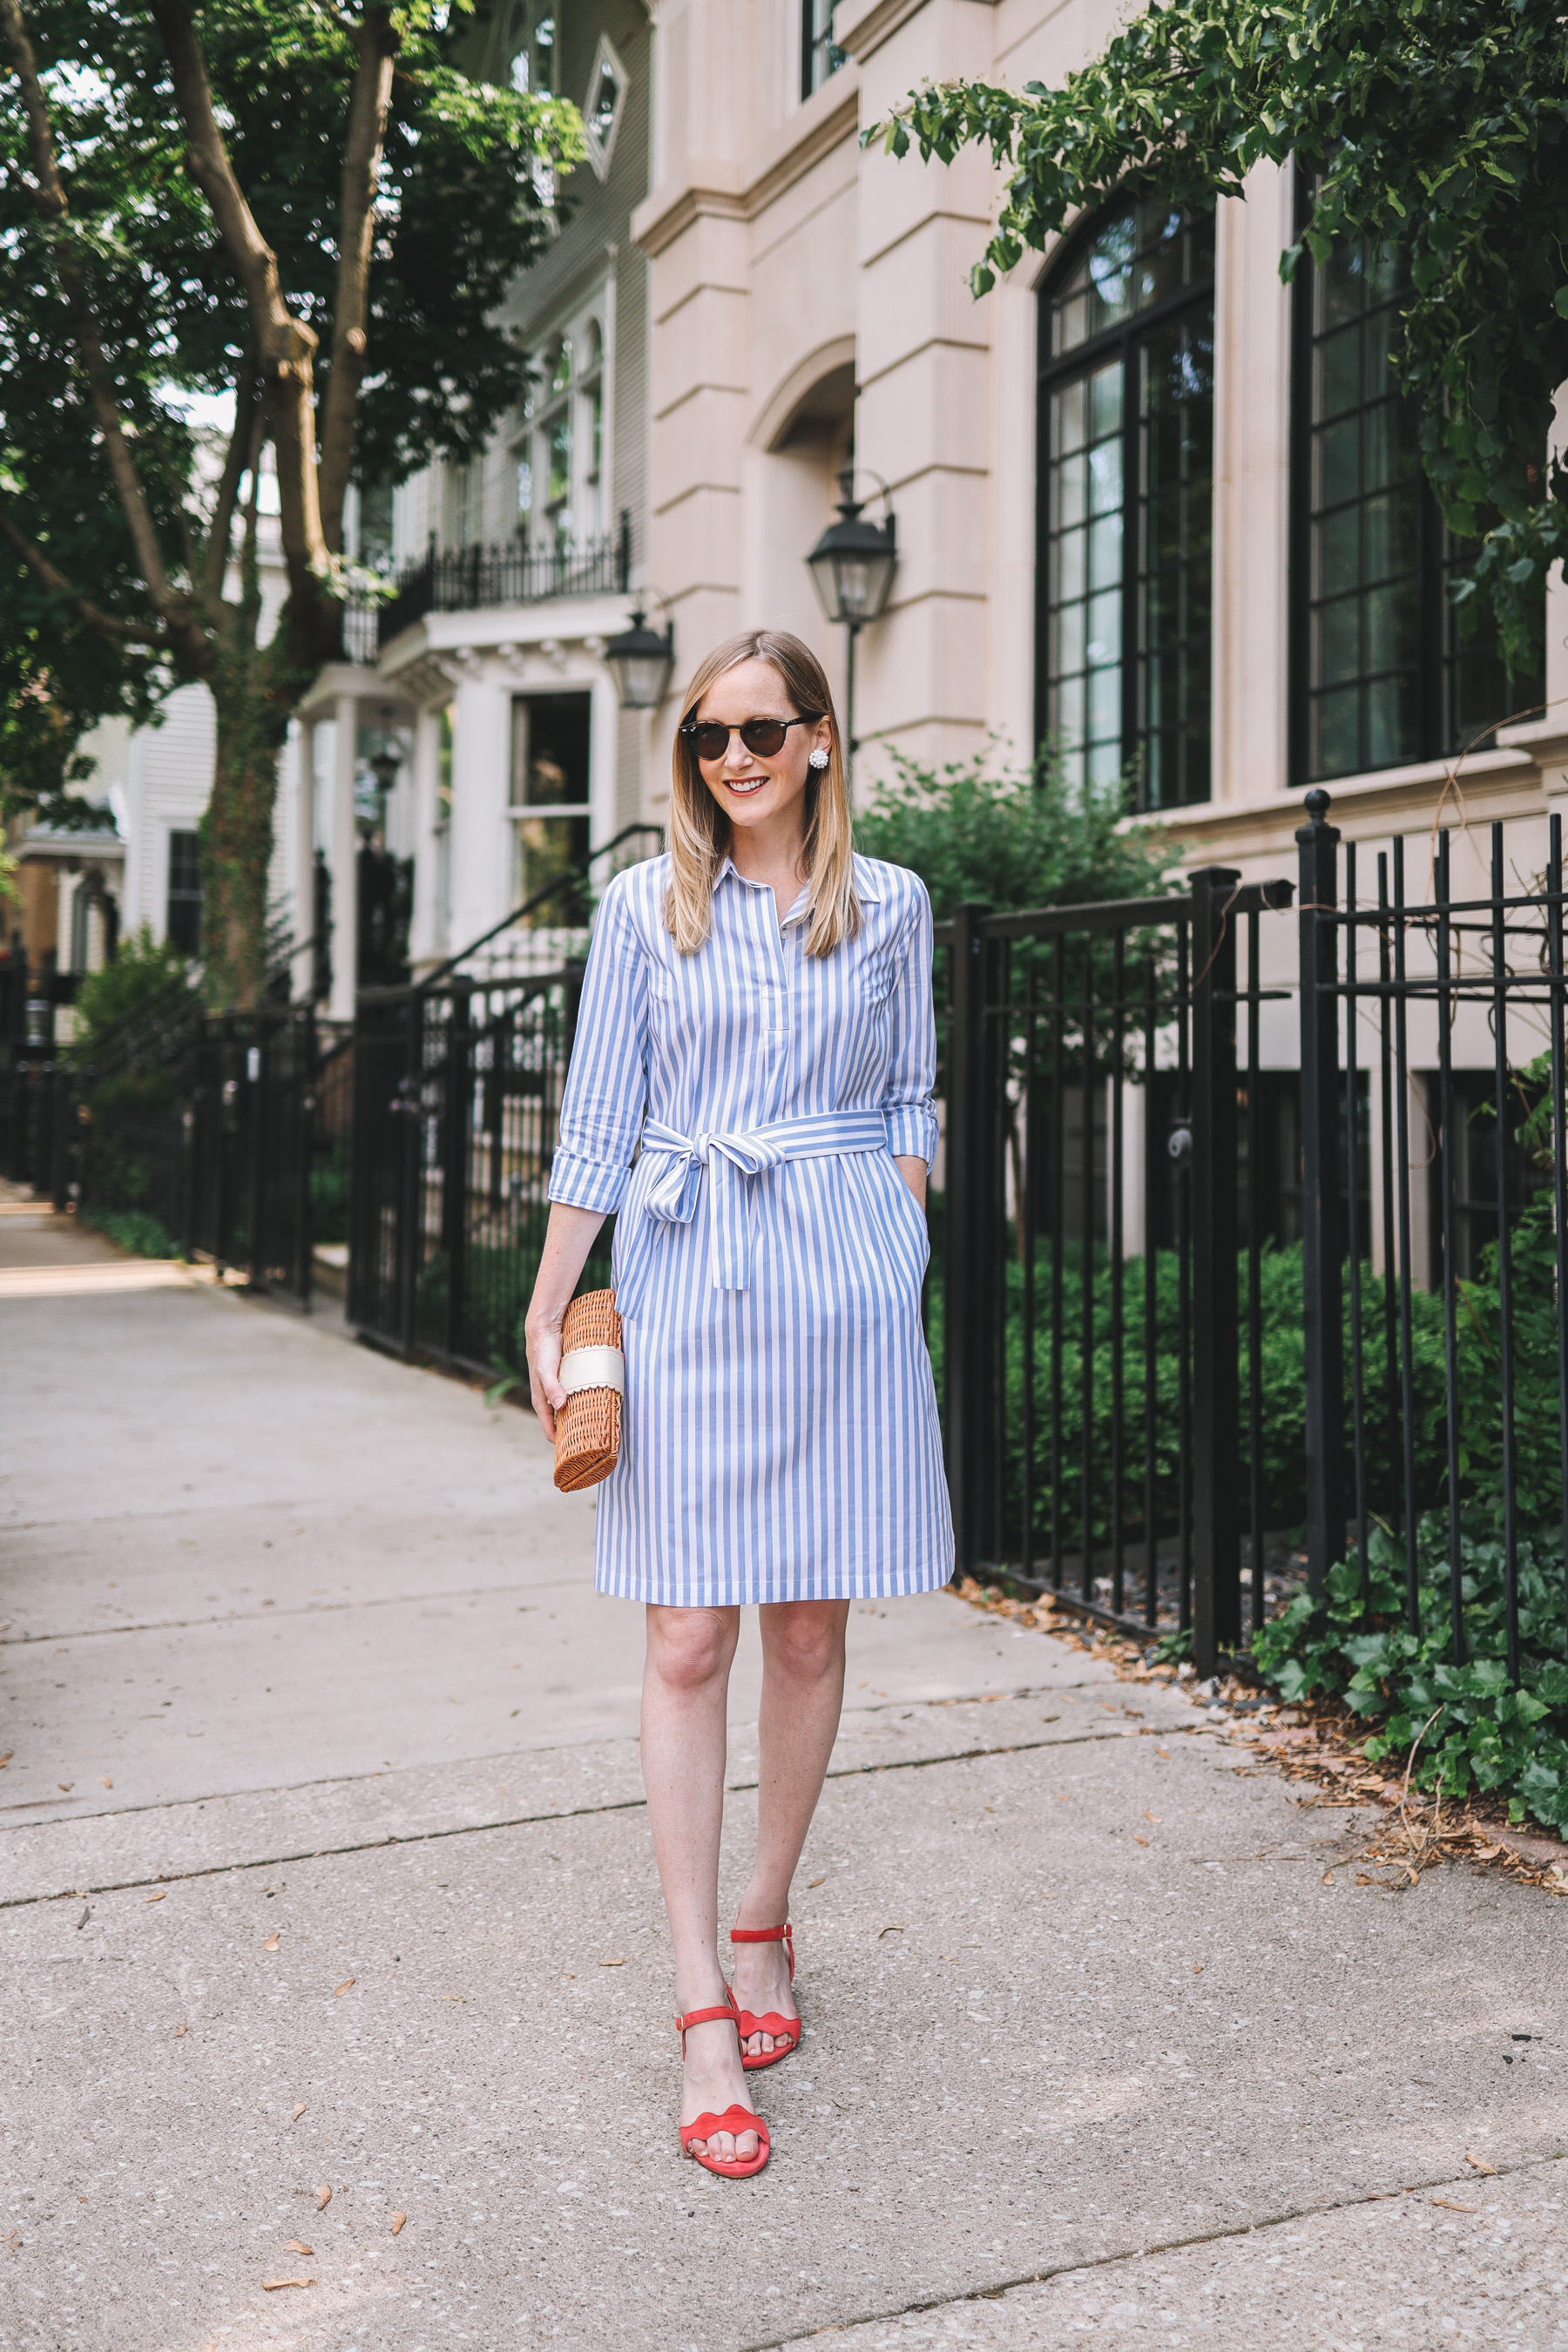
588,1425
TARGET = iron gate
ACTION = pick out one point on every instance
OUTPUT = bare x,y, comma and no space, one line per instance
1093,1206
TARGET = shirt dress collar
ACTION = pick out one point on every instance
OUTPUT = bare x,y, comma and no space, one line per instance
865,889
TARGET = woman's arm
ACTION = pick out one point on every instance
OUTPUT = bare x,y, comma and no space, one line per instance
911,1055
597,1139
567,1241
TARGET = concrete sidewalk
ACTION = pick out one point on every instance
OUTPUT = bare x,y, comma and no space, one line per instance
323,1866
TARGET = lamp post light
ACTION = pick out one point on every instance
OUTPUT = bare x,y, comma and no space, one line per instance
852,565
640,662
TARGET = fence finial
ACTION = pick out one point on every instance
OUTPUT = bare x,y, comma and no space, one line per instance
1318,805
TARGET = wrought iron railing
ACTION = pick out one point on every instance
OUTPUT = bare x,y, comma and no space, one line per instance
1085,1303
463,579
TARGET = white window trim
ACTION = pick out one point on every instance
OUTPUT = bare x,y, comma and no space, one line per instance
597,310
601,151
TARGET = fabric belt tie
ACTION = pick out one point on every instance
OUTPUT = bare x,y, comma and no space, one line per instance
729,1161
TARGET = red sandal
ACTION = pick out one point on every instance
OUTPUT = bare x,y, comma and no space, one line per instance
747,2023
735,2119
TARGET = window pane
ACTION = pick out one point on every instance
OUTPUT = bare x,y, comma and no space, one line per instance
1067,565
549,747
1363,567
1143,257
183,910
548,847
1174,533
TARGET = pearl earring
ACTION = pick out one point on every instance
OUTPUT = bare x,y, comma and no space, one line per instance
818,759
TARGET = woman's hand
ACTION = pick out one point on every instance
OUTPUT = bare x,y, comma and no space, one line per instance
545,1393
914,1173
567,1241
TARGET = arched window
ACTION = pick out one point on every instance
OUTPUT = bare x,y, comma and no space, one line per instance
1126,426
1380,675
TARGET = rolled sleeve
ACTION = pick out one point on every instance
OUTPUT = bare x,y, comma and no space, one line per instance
911,1044
606,1085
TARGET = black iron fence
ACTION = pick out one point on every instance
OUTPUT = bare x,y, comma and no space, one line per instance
1434,967
457,1098
1211,1331
216,1149
457,1095
1094,1204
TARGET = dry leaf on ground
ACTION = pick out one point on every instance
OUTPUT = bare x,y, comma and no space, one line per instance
156,1896
397,2221
347,1985
6,1758
297,2113
1138,1840
271,1943
298,2246
1479,2164
109,1784
818,1882
270,2286
613,1964
179,2029
1149,1816
1450,2207
323,2197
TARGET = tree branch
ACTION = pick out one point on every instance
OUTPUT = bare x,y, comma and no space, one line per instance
107,624
175,610
378,45
284,344
240,453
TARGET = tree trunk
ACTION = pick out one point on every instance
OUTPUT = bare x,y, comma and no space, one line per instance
236,830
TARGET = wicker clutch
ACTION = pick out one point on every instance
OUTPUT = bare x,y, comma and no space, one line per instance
592,1373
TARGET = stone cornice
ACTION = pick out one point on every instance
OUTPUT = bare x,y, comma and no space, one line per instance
1505,783
862,26
715,188
444,646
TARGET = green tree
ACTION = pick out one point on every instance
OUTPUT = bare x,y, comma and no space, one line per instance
301,208
1437,126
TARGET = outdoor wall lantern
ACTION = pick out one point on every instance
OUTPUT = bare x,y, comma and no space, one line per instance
852,565
640,662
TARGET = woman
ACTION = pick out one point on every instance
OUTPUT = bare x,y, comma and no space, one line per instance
750,1089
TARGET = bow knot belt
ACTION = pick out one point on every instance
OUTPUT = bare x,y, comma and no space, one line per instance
729,1162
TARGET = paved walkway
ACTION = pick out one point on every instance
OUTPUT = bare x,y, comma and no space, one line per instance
322,1867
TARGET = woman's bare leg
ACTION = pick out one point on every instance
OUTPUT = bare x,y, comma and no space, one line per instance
803,1693
685,1685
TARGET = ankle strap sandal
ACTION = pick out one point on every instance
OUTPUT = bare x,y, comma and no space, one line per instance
786,2030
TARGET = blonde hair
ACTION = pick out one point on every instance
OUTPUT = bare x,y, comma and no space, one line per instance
699,832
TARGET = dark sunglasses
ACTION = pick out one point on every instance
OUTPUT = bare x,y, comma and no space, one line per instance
764,738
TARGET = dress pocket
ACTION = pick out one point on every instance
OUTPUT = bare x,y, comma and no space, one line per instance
915,1221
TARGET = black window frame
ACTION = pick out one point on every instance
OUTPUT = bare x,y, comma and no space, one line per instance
1441,655
179,899
1123,341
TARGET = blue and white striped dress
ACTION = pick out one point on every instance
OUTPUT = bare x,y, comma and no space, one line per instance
740,1108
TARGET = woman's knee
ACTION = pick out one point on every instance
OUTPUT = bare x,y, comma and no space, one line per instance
689,1648
805,1639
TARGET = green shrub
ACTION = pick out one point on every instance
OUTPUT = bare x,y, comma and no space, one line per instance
1283,1361
134,1229
1009,839
142,971
1470,1727
1475,1730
